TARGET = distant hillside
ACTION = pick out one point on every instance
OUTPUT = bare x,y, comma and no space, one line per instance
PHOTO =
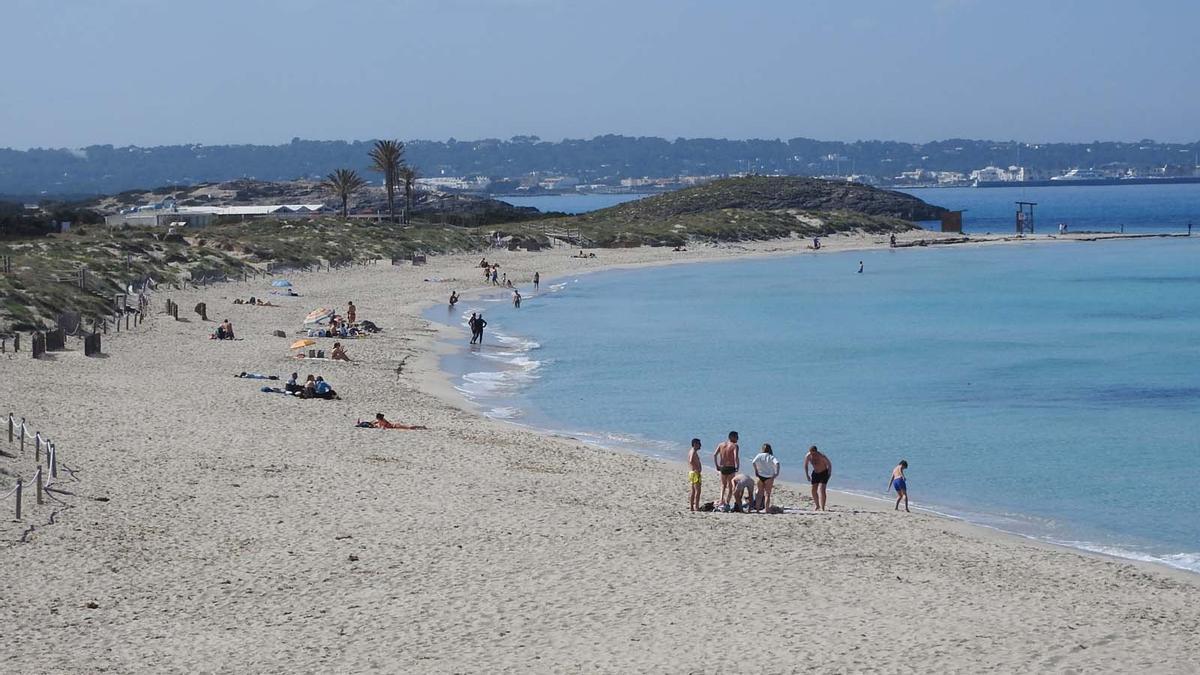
105,169
773,193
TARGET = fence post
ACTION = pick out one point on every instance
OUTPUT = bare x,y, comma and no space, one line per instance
37,480
18,499
22,435
10,428
52,460
37,447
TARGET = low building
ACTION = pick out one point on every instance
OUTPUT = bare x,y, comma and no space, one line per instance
167,214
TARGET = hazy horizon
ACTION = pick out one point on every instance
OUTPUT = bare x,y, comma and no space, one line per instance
147,73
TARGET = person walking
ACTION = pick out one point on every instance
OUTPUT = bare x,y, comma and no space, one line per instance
480,324
473,323
899,483
537,278
818,470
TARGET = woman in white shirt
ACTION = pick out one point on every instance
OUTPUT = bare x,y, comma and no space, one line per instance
766,469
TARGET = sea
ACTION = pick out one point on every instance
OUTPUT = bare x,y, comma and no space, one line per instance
1047,390
571,203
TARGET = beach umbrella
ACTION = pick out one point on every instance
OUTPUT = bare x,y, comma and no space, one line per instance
318,315
301,344
281,283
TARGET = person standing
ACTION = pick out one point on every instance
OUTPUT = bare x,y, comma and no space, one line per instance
351,312
694,475
860,266
766,470
516,298
818,470
495,276
892,240
453,298
537,278
473,323
480,324
900,484
727,461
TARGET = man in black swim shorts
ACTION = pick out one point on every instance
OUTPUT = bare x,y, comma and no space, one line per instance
818,469
727,462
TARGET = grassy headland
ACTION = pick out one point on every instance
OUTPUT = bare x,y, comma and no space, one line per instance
754,208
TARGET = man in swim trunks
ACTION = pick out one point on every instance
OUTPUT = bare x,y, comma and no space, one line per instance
818,470
900,484
727,462
694,469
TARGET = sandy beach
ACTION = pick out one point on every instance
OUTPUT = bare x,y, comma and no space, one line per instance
216,528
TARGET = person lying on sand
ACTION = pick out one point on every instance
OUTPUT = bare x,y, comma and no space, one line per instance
382,422
338,353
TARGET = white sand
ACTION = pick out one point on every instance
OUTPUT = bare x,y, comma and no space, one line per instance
252,532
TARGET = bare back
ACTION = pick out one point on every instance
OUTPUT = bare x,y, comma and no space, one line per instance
727,454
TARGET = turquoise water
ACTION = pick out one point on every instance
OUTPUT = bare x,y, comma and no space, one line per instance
1051,390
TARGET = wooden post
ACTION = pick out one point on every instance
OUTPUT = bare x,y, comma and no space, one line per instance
22,435
52,459
127,322
18,499
37,481
37,447
10,428
16,342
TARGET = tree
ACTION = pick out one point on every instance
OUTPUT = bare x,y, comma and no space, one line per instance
387,157
408,175
343,183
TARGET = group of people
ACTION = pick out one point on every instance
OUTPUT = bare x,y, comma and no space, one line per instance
313,387
741,492
476,324
224,331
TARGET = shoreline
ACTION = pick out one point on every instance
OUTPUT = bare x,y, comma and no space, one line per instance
214,523
445,385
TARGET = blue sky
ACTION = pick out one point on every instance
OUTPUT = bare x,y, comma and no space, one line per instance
148,72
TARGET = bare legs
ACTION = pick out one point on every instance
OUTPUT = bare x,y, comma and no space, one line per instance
766,488
902,495
818,496
694,497
726,488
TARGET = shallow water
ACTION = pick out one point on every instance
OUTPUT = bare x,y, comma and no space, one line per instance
1049,390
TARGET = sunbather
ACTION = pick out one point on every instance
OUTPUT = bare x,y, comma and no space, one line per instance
382,422
338,353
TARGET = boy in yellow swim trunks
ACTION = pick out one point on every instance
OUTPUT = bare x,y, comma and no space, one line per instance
695,468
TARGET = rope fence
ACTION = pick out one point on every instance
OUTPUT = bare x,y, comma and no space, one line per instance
19,434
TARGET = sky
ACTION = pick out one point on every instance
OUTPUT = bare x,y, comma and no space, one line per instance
155,72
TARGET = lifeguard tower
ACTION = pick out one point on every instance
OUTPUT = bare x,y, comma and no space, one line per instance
1025,217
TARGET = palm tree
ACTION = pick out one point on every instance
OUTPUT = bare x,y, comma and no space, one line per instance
386,158
343,183
408,175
